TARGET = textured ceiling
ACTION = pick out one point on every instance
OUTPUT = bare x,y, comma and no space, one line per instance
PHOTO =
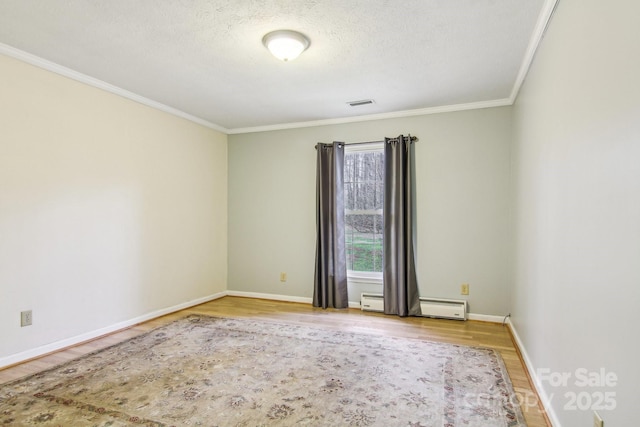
206,58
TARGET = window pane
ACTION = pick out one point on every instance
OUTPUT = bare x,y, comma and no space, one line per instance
360,196
379,197
349,196
379,174
378,227
377,258
364,242
349,257
364,198
348,169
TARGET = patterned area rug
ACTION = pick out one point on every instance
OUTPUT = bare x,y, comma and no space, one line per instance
206,371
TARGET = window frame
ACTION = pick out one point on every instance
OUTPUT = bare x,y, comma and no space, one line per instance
365,277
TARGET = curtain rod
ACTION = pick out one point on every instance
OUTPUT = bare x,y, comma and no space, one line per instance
413,139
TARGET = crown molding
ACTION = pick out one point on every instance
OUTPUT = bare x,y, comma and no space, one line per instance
91,81
381,116
542,24
539,31
540,28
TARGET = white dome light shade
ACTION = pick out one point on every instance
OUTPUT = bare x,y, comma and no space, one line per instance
285,44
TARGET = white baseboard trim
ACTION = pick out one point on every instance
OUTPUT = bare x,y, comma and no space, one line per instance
87,336
352,304
274,297
485,317
58,345
286,298
544,397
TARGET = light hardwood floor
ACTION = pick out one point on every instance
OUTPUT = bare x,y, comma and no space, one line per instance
471,333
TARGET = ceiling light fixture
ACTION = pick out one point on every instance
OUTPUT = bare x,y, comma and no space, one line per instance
286,45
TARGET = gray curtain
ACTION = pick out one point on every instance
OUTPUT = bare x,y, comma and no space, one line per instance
399,278
330,285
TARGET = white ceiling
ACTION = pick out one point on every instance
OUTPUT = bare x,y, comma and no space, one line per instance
204,59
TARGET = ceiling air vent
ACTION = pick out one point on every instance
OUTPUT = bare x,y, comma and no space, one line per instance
359,103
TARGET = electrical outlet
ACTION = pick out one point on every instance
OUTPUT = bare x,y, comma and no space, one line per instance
597,421
26,318
283,277
464,289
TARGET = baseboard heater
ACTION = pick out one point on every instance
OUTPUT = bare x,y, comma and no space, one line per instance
431,307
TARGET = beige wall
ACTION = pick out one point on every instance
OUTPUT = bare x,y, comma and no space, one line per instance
109,209
463,162
577,208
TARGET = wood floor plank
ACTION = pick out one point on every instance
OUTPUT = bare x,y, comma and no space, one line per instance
472,333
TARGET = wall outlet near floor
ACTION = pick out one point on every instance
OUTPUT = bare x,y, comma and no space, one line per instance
597,421
464,289
26,318
283,277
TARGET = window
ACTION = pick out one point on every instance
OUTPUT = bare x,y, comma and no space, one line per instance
363,202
